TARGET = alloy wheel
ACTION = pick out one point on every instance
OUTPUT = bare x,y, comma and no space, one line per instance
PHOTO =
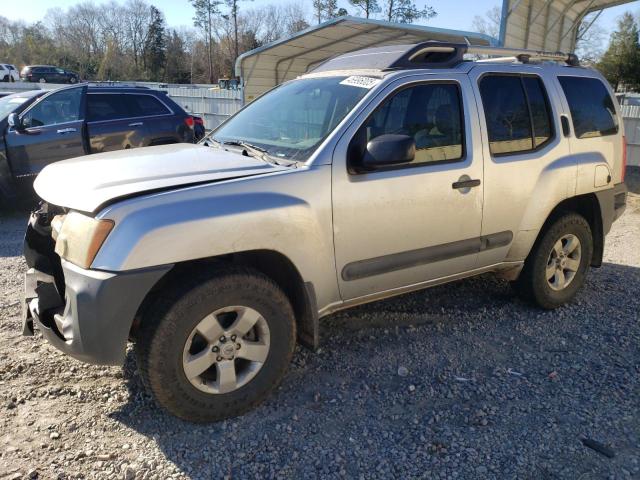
564,262
226,349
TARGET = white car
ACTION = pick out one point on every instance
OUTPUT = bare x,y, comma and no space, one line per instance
8,73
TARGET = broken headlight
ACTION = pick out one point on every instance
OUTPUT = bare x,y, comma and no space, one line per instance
79,237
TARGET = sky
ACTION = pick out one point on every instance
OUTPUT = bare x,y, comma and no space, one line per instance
456,14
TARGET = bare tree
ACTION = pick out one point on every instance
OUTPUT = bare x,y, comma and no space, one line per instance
489,24
137,18
590,40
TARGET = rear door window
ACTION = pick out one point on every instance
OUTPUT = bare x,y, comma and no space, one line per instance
517,113
146,106
591,107
103,107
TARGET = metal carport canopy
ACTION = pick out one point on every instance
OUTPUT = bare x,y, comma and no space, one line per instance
267,66
546,24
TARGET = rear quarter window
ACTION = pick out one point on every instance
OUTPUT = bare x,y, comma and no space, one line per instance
517,113
147,105
591,106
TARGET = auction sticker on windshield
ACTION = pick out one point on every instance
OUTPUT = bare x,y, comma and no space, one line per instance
362,82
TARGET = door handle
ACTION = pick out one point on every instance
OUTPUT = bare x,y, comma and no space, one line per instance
465,182
136,124
566,131
67,130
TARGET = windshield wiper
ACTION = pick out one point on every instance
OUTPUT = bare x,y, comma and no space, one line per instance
258,152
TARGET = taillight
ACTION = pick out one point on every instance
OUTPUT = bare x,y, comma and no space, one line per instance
624,156
188,121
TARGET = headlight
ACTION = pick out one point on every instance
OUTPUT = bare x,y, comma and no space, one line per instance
79,237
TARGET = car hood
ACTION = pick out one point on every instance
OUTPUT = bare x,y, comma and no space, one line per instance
86,183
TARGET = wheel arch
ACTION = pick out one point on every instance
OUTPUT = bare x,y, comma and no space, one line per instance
271,263
588,206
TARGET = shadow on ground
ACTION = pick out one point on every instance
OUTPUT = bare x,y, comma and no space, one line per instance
347,408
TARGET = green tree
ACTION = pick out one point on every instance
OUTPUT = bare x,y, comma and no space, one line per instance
620,64
156,45
206,11
368,7
406,11
177,65
233,16
327,9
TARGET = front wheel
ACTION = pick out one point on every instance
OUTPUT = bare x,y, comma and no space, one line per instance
43,80
217,344
558,263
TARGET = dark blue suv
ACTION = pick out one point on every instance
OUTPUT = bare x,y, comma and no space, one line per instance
84,119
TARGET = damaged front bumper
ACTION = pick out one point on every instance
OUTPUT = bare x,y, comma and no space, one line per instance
86,314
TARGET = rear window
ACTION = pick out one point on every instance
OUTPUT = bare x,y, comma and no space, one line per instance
146,105
101,107
591,106
517,113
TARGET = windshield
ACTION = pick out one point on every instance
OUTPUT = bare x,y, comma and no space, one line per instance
9,103
292,120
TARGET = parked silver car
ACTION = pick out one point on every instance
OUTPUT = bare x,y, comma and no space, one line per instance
380,172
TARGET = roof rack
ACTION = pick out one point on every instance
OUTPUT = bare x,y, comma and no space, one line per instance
114,84
435,54
429,51
525,56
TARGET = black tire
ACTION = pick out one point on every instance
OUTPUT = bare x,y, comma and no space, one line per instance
167,323
5,78
532,283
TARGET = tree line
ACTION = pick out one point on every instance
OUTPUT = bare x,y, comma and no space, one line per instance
130,39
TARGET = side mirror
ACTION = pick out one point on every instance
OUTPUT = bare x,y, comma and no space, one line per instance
388,150
14,121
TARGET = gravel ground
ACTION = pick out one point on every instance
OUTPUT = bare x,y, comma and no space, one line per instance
460,381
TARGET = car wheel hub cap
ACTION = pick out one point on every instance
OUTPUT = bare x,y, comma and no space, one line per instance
226,349
564,262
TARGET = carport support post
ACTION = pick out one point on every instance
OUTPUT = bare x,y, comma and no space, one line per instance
526,32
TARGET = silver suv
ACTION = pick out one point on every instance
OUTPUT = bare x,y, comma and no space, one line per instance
380,172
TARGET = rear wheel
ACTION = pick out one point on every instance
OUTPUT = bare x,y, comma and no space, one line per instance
558,263
217,345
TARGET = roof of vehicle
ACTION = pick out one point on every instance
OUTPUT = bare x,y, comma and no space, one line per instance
27,94
121,89
434,55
